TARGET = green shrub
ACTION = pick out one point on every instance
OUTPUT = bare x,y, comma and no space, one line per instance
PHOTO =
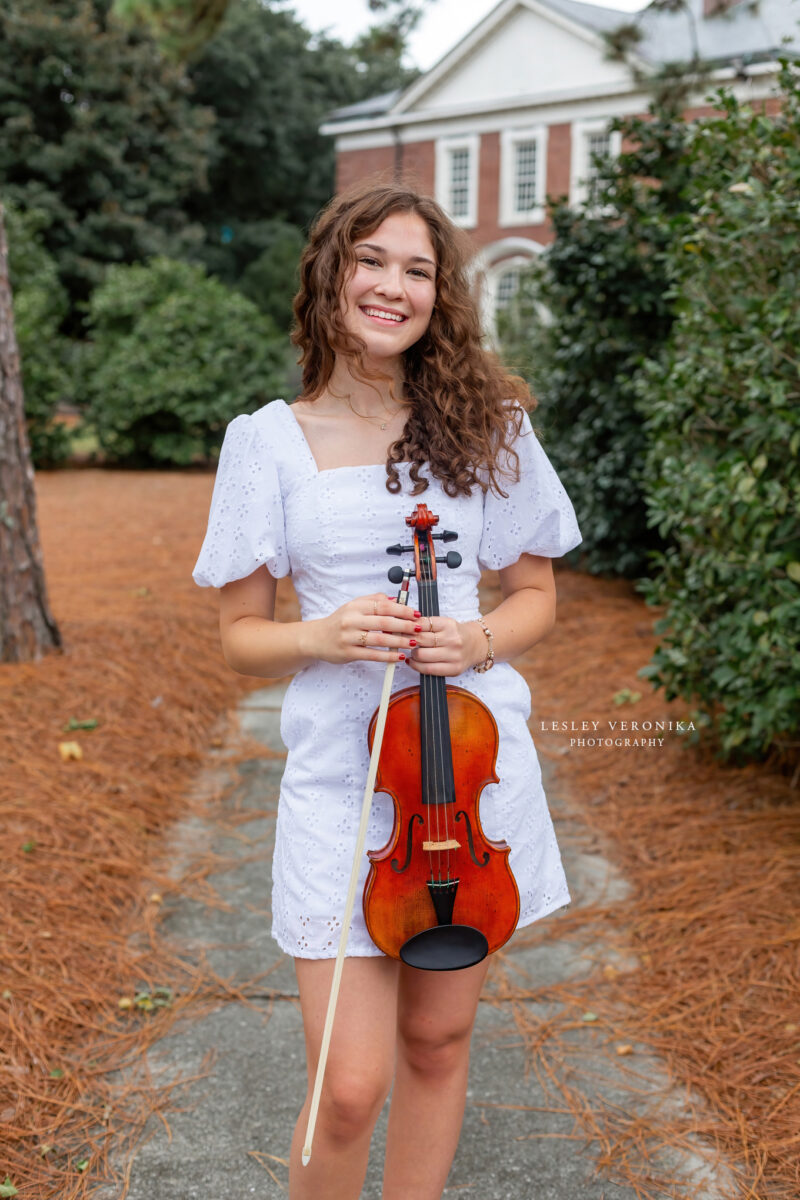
272,279
721,407
175,355
602,281
40,305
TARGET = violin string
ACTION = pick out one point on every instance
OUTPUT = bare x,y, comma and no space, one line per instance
425,717
434,717
432,725
439,711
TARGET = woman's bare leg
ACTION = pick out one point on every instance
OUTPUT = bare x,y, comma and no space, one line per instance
357,1077
435,1013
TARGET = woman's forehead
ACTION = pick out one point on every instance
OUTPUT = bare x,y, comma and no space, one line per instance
403,232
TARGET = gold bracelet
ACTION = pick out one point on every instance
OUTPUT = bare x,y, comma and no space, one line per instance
488,662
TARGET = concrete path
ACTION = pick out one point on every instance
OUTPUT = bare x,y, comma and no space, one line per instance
233,1139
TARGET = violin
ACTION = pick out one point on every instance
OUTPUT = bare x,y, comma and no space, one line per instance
440,895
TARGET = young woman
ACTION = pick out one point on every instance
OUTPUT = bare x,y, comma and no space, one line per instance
399,400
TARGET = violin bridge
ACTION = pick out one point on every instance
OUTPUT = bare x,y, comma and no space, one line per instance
450,844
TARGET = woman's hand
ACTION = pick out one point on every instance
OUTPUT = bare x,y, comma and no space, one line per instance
446,647
368,629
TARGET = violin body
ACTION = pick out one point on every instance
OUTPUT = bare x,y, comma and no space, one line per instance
440,895
440,841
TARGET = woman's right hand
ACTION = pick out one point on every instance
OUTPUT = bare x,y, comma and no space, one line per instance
371,628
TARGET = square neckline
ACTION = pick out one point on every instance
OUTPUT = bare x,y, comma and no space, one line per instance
310,455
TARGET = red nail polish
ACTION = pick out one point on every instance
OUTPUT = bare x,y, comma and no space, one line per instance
412,642
417,629
402,657
417,614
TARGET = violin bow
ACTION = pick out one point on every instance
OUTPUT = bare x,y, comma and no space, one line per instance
351,895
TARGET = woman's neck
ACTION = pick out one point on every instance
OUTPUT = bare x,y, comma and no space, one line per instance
370,397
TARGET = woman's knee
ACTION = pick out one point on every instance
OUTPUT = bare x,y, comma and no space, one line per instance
433,1048
351,1100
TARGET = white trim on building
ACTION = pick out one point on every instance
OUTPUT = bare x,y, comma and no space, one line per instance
476,38
589,135
523,175
491,264
457,167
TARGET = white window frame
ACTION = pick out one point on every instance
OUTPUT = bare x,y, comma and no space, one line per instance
444,147
509,139
579,158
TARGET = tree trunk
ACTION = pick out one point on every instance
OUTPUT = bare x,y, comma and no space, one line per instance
27,628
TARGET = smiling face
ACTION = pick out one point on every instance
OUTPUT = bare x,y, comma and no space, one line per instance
389,298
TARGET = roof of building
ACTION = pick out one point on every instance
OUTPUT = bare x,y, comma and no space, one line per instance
750,31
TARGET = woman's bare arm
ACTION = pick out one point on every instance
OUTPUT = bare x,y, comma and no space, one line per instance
525,616
254,643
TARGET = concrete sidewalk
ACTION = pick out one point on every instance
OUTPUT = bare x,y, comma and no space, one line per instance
233,1140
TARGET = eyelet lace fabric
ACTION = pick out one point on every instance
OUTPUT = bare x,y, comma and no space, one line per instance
329,530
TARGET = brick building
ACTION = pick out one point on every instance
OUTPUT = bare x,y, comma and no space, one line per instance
516,108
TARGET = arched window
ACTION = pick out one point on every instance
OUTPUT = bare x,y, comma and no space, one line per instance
506,290
497,269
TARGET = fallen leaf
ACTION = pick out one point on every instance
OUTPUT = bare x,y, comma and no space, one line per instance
623,1048
125,1002
70,750
590,1016
7,1188
73,723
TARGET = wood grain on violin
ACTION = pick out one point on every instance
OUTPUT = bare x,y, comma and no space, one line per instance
440,894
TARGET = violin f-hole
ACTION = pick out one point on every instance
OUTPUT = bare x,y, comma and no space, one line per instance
395,863
485,857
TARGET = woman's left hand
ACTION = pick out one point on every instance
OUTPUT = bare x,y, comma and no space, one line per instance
445,646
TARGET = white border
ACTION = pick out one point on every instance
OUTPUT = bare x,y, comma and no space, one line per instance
559,106
579,155
509,138
472,143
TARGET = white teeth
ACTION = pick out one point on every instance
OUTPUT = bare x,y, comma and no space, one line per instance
387,316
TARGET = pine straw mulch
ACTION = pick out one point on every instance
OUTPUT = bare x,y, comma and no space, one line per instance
86,980
709,938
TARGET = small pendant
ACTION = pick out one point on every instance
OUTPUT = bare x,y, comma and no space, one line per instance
385,423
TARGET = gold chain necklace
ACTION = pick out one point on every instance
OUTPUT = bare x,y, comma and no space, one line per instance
365,417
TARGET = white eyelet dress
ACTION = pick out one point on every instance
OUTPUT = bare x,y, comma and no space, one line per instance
329,530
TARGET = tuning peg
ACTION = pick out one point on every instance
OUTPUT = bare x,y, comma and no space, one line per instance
452,558
397,574
447,535
398,549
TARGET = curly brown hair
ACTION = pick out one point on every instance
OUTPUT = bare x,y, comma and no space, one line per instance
465,410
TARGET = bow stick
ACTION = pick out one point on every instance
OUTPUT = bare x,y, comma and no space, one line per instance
351,894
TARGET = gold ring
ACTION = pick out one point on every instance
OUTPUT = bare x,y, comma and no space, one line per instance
362,641
435,643
375,608
430,625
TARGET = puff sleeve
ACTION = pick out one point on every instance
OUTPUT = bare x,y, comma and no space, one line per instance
536,518
246,522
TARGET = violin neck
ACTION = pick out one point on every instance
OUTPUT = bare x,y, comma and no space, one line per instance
436,750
